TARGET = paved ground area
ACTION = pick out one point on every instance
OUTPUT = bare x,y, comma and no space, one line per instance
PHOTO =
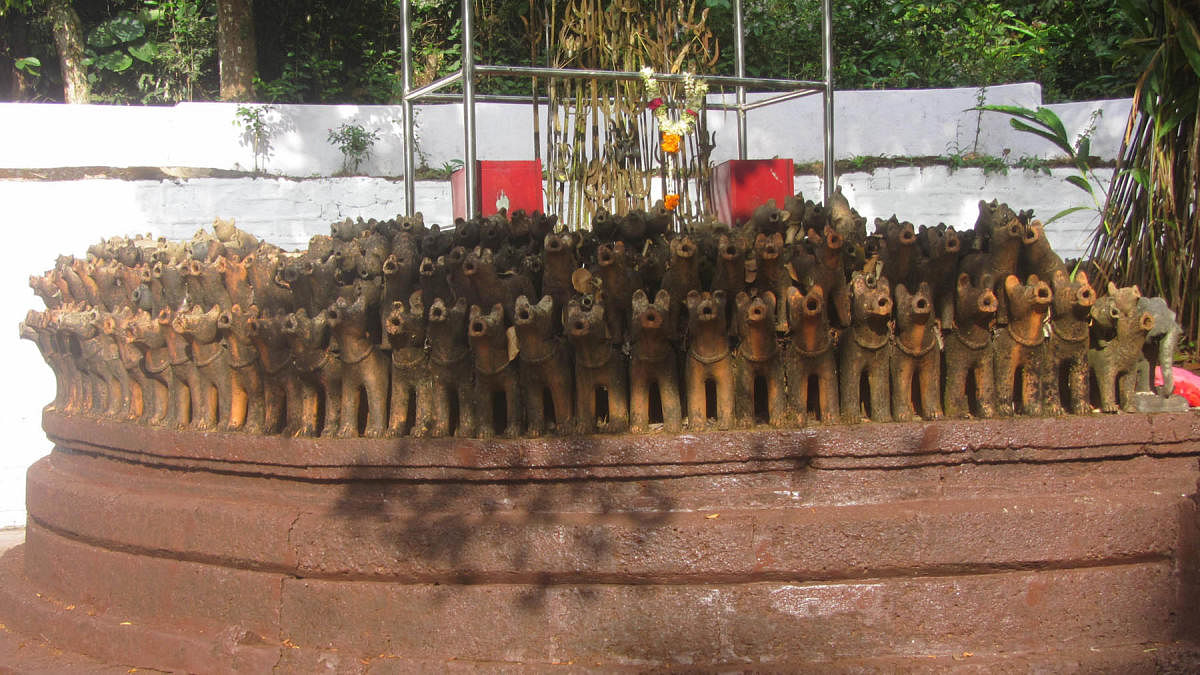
10,537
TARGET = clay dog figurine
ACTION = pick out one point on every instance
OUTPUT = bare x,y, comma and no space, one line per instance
999,261
35,329
494,349
544,365
653,363
614,270
142,403
101,358
450,366
212,389
274,362
968,349
246,410
730,275
867,348
810,353
771,273
757,355
917,352
899,249
490,287
165,360
600,368
708,358
1068,343
364,367
1021,344
938,267
1037,257
823,267
314,377
1122,327
558,262
682,276
412,383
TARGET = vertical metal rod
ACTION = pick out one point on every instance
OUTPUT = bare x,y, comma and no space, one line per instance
410,181
468,71
739,60
827,58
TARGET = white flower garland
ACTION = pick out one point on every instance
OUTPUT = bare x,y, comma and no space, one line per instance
694,91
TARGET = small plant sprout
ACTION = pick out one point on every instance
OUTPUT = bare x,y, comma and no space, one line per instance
256,131
355,143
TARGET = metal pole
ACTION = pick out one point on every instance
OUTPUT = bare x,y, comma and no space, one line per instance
410,181
468,71
827,57
739,60
484,69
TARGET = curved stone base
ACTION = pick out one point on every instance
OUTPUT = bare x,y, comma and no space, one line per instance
1016,541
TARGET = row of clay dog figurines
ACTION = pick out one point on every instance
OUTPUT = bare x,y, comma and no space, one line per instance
302,375
252,346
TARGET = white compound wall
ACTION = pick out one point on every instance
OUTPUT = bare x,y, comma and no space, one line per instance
46,218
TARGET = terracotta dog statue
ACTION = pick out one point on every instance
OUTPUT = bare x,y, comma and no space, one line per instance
867,348
917,352
708,358
450,366
969,348
246,410
165,359
412,383
757,355
1122,328
1021,344
544,364
1068,344
274,360
212,391
653,363
364,368
811,352
495,351
599,366
314,376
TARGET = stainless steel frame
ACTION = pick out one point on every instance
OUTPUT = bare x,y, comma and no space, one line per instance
470,70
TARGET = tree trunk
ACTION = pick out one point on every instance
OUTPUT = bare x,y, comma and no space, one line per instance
235,49
68,37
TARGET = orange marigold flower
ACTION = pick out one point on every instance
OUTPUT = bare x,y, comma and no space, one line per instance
670,202
670,142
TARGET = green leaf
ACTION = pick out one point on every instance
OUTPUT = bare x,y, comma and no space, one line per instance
144,51
29,64
1028,128
116,31
1081,183
114,61
1189,39
1051,121
1065,212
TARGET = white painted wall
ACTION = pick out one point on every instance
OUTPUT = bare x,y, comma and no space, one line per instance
45,218
872,123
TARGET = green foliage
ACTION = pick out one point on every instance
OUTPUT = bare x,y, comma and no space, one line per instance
320,51
254,121
29,64
1070,46
1045,123
1151,235
114,44
355,142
